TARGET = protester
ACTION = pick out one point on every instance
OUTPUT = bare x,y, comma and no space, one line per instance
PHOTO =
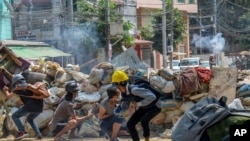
111,123
65,118
32,106
148,105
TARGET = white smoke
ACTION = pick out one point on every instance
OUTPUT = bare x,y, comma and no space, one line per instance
214,43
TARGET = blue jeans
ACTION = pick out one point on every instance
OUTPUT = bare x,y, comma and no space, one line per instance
31,116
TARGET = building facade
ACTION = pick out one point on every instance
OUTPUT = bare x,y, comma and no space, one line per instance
147,9
5,19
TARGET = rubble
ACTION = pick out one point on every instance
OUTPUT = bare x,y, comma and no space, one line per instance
184,88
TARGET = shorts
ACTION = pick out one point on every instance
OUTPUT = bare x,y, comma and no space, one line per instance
59,127
107,123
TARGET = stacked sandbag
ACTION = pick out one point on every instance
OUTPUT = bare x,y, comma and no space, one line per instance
84,97
2,118
78,76
13,101
103,90
85,86
51,68
42,121
90,128
101,74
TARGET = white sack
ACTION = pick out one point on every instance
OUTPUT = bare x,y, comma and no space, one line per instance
169,87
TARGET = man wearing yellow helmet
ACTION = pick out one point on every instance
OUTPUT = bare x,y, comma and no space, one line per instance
146,101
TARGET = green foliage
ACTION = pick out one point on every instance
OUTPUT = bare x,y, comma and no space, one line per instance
97,14
146,33
178,27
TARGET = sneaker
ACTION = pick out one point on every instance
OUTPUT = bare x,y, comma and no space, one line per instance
21,135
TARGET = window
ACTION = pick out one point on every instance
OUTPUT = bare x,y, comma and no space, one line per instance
191,1
181,1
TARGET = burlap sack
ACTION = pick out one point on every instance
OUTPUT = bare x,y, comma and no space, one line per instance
96,76
159,119
85,86
62,77
171,114
78,76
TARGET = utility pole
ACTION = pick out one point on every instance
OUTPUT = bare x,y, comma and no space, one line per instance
164,39
107,48
215,17
172,34
200,31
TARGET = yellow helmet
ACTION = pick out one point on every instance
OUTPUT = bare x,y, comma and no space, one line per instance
119,76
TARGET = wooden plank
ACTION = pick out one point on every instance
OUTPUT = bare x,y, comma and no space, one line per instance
223,83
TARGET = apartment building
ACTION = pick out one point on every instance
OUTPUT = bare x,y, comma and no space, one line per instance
148,8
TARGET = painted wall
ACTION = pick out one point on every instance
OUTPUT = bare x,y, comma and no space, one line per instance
5,21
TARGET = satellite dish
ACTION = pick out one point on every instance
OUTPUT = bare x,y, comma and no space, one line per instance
8,5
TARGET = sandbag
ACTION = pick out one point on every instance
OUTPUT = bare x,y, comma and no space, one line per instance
33,77
157,81
96,76
62,77
90,128
171,114
42,119
12,101
166,74
246,101
51,73
87,87
57,91
169,87
107,76
78,76
52,99
170,104
88,97
2,118
105,66
186,105
9,123
159,118
104,88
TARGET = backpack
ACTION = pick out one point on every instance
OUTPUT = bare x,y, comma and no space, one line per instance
136,81
194,123
38,89
142,82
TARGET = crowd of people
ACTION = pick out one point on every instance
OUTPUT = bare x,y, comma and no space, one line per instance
65,120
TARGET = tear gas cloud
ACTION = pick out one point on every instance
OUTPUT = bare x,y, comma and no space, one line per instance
215,43
83,42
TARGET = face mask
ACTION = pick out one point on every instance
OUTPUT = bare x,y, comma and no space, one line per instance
22,85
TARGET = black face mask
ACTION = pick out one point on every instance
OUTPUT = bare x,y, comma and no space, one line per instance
123,83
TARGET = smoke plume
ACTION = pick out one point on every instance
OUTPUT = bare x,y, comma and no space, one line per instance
215,43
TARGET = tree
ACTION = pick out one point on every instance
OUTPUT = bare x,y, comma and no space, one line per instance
232,21
95,13
178,28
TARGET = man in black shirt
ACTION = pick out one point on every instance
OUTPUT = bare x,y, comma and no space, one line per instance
32,106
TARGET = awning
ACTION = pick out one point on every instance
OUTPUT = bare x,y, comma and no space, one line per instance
37,52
